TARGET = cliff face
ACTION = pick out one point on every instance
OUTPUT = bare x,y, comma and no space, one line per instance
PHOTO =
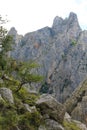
76,105
60,50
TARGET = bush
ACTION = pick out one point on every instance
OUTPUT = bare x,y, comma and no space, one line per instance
70,125
30,121
8,119
27,97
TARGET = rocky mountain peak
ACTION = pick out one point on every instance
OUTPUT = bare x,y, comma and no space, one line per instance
62,25
15,35
73,21
57,21
57,24
13,31
73,16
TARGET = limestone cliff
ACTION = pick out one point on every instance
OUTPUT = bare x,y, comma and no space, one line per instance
61,50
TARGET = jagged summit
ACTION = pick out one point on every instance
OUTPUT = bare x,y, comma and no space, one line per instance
73,16
57,21
60,25
13,31
15,35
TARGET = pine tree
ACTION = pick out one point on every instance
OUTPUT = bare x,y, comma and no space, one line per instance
12,72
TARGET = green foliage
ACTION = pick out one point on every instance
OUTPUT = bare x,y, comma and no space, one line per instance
7,43
8,118
73,43
45,89
24,70
70,125
64,57
30,120
14,75
27,97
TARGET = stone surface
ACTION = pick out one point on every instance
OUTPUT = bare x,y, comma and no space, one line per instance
76,97
6,94
50,108
41,127
53,125
27,107
69,120
76,105
67,117
80,125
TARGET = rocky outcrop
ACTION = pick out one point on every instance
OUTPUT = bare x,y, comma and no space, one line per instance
51,112
16,37
76,105
50,108
61,51
69,123
53,125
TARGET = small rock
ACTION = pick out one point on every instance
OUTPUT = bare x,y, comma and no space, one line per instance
53,125
42,127
27,107
6,94
67,117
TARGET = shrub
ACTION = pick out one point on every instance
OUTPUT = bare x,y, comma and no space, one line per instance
70,125
27,97
30,120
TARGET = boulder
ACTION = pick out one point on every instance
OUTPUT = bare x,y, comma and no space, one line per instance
30,109
69,122
67,117
6,94
53,125
41,127
50,108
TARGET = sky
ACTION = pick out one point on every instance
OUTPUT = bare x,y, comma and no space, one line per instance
31,15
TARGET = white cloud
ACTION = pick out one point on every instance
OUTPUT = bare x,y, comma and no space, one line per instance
30,15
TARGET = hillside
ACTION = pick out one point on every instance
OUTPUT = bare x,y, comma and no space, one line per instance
43,83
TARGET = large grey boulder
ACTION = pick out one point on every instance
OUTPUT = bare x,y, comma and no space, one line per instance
50,108
6,94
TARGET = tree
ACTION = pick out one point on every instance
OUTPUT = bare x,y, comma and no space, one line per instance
14,72
5,45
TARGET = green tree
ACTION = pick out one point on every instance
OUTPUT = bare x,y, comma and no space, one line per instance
5,45
12,72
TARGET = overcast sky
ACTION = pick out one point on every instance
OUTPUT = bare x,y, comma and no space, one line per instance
30,15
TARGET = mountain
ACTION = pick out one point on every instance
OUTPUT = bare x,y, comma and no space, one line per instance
61,50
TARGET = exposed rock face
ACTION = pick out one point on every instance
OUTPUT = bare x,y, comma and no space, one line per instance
50,108
17,37
76,105
6,94
62,53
